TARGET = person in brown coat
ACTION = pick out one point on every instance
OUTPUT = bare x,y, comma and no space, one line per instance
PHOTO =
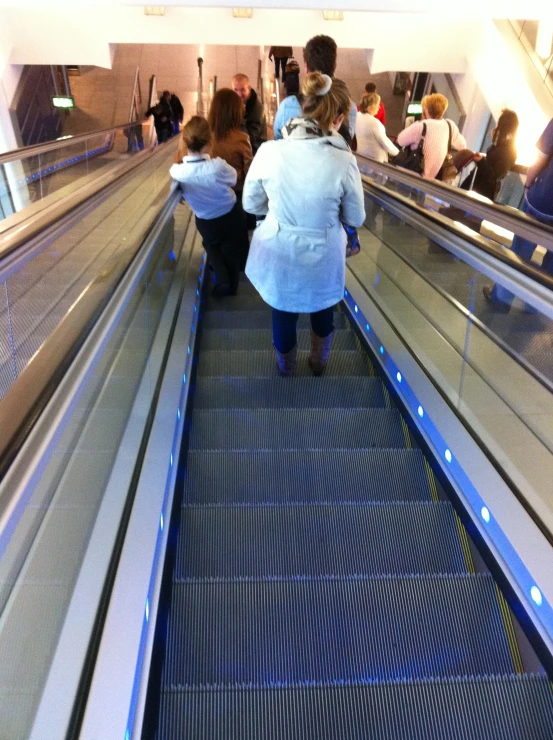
281,54
229,141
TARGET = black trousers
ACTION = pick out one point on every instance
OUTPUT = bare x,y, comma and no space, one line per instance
223,240
284,327
282,61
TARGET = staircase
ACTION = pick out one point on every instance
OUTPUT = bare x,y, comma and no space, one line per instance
322,590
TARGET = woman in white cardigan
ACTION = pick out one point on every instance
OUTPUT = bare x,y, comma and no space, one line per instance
371,135
306,184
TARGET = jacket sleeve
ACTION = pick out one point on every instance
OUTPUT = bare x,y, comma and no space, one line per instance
247,155
410,135
177,172
352,210
257,127
385,142
226,173
457,139
254,196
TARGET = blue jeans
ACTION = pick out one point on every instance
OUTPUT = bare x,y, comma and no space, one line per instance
284,327
524,249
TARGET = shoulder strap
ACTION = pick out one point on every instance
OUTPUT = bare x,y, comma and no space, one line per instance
421,142
450,134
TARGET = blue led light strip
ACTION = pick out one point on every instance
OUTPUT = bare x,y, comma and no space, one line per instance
541,606
35,176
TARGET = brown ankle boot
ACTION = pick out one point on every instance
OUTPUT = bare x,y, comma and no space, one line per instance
286,362
320,350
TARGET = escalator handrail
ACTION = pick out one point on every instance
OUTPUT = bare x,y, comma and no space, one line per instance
503,216
31,391
49,146
507,256
30,227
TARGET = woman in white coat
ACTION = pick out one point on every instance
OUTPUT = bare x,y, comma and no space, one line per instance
306,184
371,135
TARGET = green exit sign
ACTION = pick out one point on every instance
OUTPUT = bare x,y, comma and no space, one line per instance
413,109
63,101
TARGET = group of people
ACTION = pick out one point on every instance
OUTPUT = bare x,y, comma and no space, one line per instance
304,191
304,188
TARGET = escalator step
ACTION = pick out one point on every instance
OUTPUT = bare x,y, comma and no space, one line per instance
281,429
238,633
281,393
333,476
257,320
487,708
262,363
237,339
284,541
246,300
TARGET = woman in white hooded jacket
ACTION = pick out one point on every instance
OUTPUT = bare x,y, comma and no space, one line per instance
306,184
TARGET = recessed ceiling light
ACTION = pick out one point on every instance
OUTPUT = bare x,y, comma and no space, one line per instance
154,10
242,12
333,15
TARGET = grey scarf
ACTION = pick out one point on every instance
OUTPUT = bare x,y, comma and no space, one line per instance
307,128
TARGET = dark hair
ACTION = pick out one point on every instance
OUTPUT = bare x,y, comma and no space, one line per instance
320,55
226,113
292,83
196,134
507,126
370,87
165,93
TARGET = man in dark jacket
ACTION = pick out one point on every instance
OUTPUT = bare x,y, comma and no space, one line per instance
255,122
281,54
163,117
178,111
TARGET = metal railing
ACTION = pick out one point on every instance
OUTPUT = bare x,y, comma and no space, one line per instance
503,216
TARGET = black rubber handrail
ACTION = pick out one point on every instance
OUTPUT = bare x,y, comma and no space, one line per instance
504,216
492,248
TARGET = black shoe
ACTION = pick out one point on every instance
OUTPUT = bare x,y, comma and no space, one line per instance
499,306
221,290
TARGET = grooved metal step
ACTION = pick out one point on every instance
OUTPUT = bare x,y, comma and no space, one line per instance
262,363
236,339
257,320
245,300
487,708
281,429
315,540
230,633
341,476
325,392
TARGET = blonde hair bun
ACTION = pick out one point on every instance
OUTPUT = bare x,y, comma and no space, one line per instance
315,84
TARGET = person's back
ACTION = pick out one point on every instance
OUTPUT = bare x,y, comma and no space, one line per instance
371,135
305,173
228,141
304,185
540,192
439,131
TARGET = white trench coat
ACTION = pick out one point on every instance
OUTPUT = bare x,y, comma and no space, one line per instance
305,187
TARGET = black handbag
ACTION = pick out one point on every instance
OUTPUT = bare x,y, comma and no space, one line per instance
412,159
448,170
